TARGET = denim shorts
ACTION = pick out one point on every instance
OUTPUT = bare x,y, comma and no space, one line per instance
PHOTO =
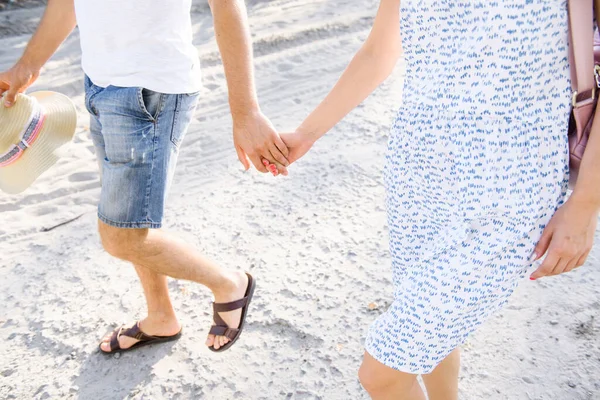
137,134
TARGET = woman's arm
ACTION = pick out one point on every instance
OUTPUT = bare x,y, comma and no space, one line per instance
372,64
569,236
587,190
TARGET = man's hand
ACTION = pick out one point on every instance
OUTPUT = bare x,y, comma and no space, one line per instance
298,145
16,80
56,24
255,138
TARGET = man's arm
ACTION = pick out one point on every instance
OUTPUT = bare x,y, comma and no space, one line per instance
253,134
56,24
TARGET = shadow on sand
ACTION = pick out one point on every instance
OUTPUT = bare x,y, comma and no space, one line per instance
118,376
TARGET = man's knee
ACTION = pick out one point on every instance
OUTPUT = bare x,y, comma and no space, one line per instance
121,243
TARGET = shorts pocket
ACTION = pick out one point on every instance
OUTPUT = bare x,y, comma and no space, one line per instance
91,91
150,103
184,112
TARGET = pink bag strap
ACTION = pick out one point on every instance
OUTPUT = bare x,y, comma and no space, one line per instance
581,50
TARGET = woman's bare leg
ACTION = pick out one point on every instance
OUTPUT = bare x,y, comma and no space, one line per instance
385,383
442,383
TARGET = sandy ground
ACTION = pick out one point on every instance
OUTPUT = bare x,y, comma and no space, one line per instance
6,5
316,241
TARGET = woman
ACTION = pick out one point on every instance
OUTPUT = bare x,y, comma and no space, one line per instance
476,168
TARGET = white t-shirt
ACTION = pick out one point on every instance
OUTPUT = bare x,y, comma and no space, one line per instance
139,43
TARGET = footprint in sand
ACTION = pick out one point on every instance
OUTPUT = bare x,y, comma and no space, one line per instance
284,67
44,210
211,86
83,176
9,207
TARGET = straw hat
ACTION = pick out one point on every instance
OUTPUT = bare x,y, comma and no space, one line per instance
30,133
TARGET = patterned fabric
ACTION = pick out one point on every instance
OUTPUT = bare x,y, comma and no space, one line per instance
477,164
28,136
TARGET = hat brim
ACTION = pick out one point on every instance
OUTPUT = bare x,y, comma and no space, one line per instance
58,129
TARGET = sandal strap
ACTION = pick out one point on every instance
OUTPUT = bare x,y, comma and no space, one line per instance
220,330
136,333
224,307
114,339
231,306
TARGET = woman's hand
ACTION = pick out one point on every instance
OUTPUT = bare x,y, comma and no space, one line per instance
567,239
298,145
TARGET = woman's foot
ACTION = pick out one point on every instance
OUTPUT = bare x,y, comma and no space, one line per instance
151,325
236,290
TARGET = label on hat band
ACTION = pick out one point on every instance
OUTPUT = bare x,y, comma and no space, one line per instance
28,136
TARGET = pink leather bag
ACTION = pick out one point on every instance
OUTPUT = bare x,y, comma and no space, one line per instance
584,58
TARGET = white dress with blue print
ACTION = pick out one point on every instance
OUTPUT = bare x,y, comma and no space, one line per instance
476,166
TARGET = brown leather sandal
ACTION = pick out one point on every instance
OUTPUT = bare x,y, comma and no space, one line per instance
136,333
221,328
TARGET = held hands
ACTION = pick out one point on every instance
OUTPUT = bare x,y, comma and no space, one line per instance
16,80
298,145
255,138
567,239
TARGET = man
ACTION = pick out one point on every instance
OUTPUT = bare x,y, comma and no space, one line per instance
142,83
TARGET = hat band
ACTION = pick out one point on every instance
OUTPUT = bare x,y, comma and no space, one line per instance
28,137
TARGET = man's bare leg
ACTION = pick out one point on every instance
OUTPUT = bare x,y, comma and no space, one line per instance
161,319
163,254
